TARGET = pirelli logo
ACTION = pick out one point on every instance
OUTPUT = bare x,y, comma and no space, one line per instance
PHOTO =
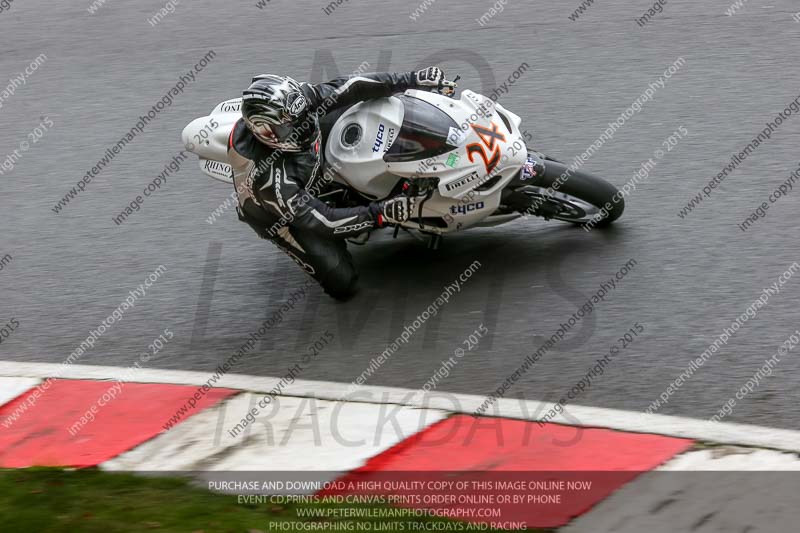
461,182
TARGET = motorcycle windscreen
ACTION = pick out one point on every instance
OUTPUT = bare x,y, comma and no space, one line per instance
424,132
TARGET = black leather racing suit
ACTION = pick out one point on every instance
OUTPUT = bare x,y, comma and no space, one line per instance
277,190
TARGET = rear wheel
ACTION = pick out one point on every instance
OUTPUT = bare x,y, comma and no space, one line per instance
577,197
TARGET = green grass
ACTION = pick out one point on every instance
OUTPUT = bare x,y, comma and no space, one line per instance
88,500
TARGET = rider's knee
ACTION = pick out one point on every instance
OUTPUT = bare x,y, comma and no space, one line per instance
341,281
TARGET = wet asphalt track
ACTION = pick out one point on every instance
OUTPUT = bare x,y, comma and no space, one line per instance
693,277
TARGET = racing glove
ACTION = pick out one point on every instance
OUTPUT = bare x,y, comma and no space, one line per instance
433,78
396,210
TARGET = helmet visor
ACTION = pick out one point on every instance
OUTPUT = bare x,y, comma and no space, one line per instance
271,133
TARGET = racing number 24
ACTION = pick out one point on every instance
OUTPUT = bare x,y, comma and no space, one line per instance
489,138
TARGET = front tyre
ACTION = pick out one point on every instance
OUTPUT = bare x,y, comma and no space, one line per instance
577,197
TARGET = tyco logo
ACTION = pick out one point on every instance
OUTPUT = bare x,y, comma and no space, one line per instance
379,139
464,209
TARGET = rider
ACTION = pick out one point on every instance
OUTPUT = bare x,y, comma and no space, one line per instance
276,151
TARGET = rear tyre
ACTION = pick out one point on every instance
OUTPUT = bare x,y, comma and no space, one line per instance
579,197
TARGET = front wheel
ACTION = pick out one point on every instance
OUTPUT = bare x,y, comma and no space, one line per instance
576,197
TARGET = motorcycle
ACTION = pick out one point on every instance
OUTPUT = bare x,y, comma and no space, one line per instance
467,158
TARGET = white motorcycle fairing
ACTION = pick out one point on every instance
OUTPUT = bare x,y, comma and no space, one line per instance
357,143
472,145
212,148
472,166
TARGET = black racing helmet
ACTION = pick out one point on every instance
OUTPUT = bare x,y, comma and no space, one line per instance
276,111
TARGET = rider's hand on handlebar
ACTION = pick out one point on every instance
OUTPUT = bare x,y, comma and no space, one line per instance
396,210
433,78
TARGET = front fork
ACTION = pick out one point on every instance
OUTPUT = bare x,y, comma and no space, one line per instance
513,196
